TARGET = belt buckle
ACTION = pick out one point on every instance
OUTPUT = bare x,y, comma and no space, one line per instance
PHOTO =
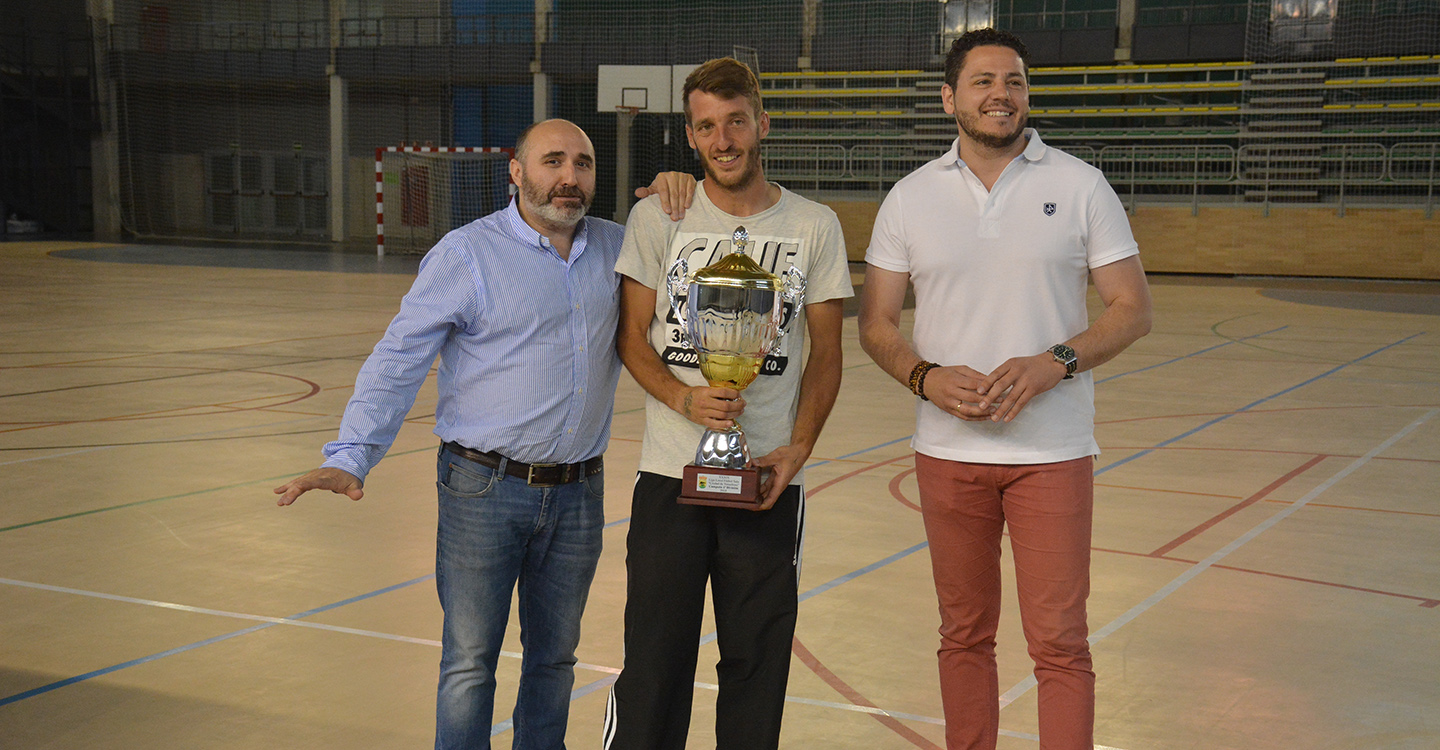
530,475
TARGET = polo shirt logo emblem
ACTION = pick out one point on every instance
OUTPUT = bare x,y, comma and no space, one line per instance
1049,209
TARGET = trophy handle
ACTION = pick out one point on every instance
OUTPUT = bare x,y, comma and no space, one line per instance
674,287
792,291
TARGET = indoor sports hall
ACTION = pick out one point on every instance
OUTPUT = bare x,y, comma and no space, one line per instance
213,210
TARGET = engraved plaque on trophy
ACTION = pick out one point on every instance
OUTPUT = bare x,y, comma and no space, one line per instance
732,316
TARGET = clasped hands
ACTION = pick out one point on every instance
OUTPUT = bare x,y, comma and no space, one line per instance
999,396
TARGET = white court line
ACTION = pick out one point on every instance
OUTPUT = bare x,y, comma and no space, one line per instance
262,618
436,644
1027,684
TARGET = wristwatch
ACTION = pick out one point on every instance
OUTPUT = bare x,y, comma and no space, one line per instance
1065,356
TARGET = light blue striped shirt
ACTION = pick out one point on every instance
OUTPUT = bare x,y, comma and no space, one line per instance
526,342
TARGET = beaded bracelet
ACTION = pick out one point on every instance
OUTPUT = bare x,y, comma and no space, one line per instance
917,378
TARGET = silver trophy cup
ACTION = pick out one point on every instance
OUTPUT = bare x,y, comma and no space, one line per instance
732,315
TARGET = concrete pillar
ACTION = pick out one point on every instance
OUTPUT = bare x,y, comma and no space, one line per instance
541,81
1125,23
339,111
809,27
104,145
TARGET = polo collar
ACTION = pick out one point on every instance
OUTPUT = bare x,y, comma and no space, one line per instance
1034,149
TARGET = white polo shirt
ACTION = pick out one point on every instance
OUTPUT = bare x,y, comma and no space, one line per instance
999,274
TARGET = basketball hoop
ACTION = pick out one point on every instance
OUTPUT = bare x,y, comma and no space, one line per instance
623,109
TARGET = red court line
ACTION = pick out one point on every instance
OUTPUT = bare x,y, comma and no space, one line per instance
1236,508
829,677
858,471
1168,492
174,352
897,494
1158,555
855,698
170,413
1363,510
1423,600
1264,450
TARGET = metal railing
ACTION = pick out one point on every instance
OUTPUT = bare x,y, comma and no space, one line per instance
1330,173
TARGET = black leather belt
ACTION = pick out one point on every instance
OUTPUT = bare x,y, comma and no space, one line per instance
535,475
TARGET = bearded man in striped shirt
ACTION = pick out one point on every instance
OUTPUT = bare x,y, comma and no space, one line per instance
521,307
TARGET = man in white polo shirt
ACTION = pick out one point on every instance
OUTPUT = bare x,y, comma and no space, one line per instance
999,237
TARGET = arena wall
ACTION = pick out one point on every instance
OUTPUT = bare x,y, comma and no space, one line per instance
1364,243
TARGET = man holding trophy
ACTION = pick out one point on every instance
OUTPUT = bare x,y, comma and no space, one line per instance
716,330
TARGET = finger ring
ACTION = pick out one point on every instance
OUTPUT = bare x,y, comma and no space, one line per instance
959,404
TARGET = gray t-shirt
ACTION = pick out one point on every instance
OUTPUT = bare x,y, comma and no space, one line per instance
795,231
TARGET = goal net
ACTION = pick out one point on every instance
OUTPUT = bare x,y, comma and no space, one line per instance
423,192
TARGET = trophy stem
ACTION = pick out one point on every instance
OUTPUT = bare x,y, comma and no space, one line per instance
723,449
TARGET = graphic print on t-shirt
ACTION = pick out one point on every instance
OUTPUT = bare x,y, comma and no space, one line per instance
700,249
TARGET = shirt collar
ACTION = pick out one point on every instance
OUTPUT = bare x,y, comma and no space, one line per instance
1034,149
534,239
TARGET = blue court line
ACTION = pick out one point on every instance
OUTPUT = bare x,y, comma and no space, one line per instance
1250,406
878,564
1171,361
608,680
125,665
580,692
200,644
1187,356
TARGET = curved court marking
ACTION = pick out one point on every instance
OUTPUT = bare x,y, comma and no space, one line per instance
854,696
224,407
1105,631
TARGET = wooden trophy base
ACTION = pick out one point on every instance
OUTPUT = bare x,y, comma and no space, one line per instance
722,488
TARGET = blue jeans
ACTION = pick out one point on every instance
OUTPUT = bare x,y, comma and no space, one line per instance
495,530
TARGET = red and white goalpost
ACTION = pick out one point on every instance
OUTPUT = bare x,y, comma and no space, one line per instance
431,190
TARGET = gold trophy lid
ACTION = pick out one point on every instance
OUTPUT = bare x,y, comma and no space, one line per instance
737,269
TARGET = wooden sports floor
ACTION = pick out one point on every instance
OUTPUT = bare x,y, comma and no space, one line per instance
1267,537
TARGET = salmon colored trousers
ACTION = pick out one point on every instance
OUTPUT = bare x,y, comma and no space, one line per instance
1047,508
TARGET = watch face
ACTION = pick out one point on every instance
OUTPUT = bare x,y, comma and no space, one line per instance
1064,355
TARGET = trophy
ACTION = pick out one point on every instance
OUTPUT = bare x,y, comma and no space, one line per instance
732,316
